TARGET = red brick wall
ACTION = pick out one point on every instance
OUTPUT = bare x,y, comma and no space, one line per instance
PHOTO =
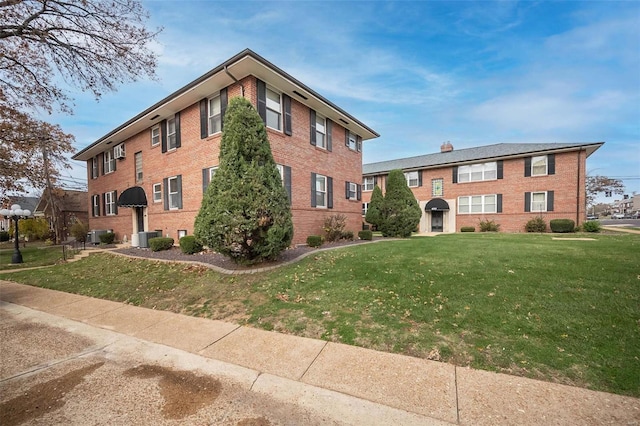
568,184
342,164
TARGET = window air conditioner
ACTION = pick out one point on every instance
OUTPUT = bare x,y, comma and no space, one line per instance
118,151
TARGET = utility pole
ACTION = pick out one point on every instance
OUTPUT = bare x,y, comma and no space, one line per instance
54,214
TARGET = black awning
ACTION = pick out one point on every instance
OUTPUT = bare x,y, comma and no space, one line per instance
132,197
437,204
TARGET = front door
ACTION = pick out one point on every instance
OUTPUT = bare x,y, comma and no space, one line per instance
437,221
139,211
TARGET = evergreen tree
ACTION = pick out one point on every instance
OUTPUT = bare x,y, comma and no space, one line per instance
374,215
400,211
245,212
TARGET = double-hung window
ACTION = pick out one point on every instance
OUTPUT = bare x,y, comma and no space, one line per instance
110,203
352,141
368,183
109,162
138,161
321,191
174,193
157,192
538,201
539,165
413,180
215,115
351,190
95,205
365,207
155,135
321,132
478,172
171,134
274,110
478,204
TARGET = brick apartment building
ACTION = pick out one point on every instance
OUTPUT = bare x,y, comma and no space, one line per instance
507,183
150,173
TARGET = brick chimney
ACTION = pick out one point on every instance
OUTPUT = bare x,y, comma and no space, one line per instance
446,147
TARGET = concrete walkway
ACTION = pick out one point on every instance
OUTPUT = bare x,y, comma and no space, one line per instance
357,385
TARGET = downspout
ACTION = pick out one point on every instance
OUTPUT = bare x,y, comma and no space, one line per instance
578,191
234,79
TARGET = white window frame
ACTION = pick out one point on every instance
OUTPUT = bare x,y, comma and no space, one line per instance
174,196
365,208
478,204
215,115
321,195
95,202
182,233
353,141
542,159
110,203
280,168
321,132
413,179
109,162
271,111
353,191
539,206
157,192
139,174
172,140
368,183
155,135
94,168
478,172
212,172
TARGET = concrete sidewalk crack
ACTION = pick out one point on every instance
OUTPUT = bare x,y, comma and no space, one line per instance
254,382
313,362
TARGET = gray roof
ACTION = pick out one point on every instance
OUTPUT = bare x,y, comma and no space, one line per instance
25,202
469,155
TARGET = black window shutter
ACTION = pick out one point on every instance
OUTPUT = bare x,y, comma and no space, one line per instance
312,131
346,190
359,143
329,192
115,163
500,174
101,162
205,180
104,204
527,201
329,126
359,192
115,202
375,180
286,100
287,181
346,137
419,177
262,100
549,201
165,193
177,118
179,179
93,206
454,178
224,101
499,203
204,118
551,164
313,190
527,167
163,136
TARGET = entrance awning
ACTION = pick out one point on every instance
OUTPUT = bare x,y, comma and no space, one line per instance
437,204
132,197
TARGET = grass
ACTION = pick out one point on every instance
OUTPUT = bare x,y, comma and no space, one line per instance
34,254
562,311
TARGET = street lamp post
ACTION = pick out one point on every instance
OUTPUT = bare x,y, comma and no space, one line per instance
15,213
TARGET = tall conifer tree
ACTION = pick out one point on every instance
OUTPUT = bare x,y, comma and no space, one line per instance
400,210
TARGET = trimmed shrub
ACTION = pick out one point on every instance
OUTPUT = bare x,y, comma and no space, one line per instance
314,240
160,243
107,238
591,226
468,229
365,235
334,226
4,236
562,225
537,224
189,245
400,211
488,226
347,235
79,231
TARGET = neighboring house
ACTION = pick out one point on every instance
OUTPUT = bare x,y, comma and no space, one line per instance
150,173
69,208
507,183
26,203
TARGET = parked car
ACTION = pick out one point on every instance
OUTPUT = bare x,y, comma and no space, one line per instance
617,216
592,217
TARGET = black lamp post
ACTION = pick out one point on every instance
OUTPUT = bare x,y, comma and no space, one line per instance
15,213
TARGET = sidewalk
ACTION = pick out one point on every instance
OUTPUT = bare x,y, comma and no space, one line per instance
318,373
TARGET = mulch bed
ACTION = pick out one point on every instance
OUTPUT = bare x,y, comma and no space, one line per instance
221,261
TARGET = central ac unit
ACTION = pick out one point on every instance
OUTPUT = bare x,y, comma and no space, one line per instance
118,151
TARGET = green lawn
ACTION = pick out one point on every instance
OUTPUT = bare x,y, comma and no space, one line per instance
559,310
34,254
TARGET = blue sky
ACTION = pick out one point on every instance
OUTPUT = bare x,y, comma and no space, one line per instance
419,73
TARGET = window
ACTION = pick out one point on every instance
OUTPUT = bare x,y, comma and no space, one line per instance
171,134
274,110
207,177
539,166
215,115
413,179
352,141
437,187
538,201
110,203
109,162
368,183
478,172
478,204
321,191
280,168
174,193
155,135
95,204
157,192
351,191
365,208
138,158
94,167
321,132
182,233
